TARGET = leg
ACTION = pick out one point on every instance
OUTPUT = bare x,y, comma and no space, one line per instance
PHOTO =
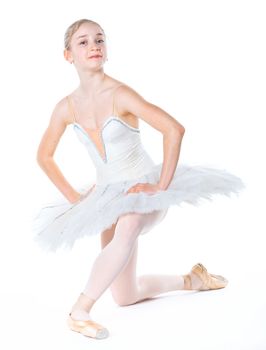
80,310
119,254
111,260
127,288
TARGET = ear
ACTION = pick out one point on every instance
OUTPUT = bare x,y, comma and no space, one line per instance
68,55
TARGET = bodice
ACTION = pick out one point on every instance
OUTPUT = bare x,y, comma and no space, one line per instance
124,155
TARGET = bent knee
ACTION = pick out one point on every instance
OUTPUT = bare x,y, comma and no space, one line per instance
122,296
124,301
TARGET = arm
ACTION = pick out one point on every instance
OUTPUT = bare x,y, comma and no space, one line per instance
129,101
47,147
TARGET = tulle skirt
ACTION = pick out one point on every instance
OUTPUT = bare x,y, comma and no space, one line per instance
59,224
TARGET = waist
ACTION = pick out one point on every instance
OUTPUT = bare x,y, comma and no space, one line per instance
116,171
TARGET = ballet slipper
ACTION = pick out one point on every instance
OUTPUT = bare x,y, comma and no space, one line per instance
88,328
209,281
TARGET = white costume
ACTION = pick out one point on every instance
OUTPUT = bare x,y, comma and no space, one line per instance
124,163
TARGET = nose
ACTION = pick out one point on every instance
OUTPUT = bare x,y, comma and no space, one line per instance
94,48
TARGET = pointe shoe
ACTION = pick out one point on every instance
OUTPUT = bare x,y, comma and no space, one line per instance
209,281
88,328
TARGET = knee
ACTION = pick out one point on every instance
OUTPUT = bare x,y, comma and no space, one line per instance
123,301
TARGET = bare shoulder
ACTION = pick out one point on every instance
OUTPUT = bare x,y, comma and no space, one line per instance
59,119
120,88
126,91
123,94
62,111
128,100
62,115
131,102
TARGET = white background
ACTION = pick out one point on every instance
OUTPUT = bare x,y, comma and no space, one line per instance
204,63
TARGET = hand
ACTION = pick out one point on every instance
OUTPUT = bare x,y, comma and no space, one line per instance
144,187
76,199
79,196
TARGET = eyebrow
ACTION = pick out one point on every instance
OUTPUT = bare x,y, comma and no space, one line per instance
82,36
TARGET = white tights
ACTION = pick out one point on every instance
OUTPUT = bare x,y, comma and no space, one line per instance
115,266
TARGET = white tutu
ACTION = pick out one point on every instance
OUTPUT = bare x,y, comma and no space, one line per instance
61,224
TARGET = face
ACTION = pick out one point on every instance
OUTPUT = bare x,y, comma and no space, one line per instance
87,47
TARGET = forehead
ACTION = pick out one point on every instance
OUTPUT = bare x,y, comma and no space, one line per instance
88,29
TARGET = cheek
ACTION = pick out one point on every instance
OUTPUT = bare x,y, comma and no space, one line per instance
104,50
82,53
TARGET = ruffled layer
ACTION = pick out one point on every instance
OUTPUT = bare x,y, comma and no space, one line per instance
60,224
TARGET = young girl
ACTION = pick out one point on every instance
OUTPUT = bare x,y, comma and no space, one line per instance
131,194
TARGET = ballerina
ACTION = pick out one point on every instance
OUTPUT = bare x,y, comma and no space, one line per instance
131,193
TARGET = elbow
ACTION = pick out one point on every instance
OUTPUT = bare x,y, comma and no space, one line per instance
176,132
39,159
42,160
180,130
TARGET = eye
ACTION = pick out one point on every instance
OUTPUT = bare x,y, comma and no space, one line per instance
82,42
100,40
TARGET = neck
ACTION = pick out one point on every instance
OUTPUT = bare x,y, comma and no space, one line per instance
91,83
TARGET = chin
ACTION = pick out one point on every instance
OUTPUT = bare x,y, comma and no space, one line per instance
94,68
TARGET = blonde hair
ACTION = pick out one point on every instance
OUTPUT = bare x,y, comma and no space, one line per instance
73,28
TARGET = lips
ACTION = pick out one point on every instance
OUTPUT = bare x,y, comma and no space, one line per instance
95,56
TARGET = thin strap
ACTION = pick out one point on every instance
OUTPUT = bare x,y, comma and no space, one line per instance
113,113
71,108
